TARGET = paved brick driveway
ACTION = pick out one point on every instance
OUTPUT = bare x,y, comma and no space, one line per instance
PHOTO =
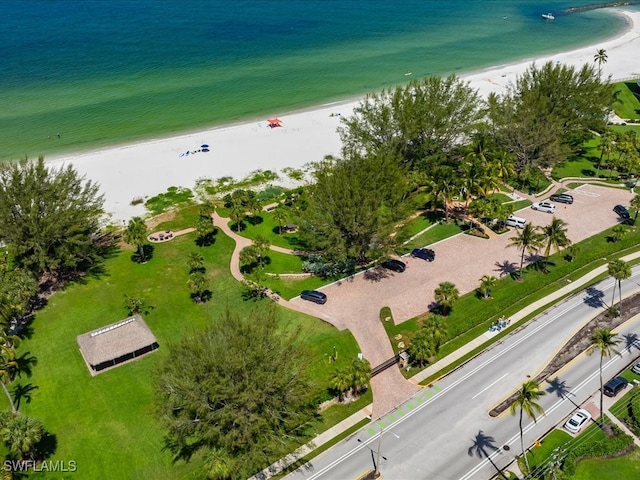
355,303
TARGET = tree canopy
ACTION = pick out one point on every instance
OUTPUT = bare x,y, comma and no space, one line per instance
420,122
354,205
48,216
238,388
549,111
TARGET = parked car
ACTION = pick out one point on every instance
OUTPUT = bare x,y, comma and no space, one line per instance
314,296
577,421
544,207
562,198
424,253
622,212
615,386
636,368
395,265
517,222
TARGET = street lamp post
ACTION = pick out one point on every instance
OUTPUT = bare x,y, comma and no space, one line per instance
376,473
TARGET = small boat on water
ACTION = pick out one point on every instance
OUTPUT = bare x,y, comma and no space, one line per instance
407,74
548,16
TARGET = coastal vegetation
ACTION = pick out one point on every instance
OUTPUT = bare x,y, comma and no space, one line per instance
432,145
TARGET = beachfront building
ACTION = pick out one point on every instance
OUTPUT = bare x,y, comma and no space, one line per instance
115,344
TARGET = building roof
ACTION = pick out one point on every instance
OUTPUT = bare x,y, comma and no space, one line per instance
115,340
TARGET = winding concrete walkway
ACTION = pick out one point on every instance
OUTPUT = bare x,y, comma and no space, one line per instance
389,388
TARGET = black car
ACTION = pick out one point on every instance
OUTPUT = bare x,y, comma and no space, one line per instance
562,198
395,265
615,386
424,253
622,212
314,296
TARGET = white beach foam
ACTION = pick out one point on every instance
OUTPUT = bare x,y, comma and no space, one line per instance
147,168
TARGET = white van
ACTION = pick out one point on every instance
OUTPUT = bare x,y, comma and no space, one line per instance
517,222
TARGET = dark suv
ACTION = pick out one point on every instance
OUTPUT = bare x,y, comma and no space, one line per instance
395,265
424,253
314,296
622,212
562,198
615,386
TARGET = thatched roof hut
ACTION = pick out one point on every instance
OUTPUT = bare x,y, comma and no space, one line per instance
117,343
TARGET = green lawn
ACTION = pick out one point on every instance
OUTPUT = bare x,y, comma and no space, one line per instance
628,106
283,263
106,423
269,229
539,455
435,234
626,467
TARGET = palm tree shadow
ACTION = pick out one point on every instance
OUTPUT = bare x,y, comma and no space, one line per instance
560,388
594,297
21,392
506,268
484,446
631,341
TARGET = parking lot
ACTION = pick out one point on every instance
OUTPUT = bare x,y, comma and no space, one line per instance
355,303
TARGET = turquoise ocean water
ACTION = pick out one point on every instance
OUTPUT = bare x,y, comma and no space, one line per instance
108,72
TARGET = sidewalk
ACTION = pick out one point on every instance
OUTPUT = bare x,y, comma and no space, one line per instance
338,429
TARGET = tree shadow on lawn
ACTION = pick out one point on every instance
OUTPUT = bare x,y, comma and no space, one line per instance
147,249
22,392
255,220
206,240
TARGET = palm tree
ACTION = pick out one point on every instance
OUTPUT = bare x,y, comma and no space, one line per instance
136,234
446,294
503,166
360,370
421,347
527,240
620,270
487,282
262,245
436,328
635,204
555,236
198,284
280,216
8,363
526,402
604,341
606,146
237,214
21,433
340,381
444,187
195,262
218,465
600,57
249,257
618,232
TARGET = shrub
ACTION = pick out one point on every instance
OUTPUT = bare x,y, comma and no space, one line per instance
602,448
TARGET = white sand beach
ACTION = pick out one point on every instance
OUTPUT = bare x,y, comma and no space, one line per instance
147,168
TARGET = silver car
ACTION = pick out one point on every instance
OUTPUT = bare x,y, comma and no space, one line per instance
544,207
577,421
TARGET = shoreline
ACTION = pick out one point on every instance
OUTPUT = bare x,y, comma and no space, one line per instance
148,167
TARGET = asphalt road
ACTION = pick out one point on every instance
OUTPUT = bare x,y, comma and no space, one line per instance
444,432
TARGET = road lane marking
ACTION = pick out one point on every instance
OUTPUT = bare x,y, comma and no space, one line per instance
489,386
579,301
551,409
